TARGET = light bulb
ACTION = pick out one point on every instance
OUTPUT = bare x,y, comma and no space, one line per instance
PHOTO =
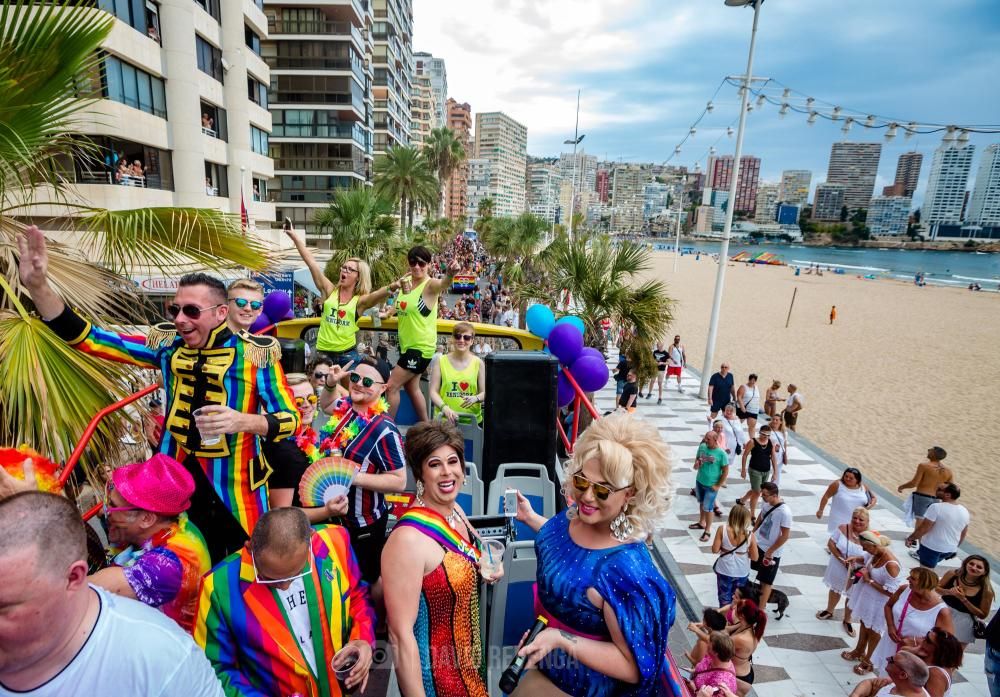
692,131
870,121
709,107
783,110
760,100
809,102
711,150
677,150
891,132
963,137
729,131
835,115
786,93
812,117
909,130
847,125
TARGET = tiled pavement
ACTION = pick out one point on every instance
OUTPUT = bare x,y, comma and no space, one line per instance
799,655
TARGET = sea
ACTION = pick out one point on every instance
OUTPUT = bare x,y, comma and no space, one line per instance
956,269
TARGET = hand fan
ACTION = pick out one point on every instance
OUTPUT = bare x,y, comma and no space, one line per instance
326,479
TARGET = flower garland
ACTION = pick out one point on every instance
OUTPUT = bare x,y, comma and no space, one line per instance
12,460
328,442
306,442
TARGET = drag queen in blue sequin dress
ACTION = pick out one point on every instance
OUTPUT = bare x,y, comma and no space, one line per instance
608,606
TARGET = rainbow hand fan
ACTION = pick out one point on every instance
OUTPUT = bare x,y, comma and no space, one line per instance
326,479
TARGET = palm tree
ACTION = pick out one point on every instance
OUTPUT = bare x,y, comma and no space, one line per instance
517,245
484,217
360,224
404,175
48,391
445,153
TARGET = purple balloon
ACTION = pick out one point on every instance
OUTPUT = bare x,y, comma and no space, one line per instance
566,343
276,305
289,315
564,391
261,323
590,351
590,372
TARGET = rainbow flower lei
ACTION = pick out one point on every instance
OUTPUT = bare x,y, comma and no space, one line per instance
306,442
328,442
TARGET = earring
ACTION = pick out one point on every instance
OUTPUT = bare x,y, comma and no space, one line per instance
621,528
420,490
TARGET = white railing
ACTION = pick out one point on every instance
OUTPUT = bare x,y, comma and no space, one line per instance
212,190
209,131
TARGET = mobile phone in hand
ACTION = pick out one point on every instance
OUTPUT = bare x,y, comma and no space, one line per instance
287,225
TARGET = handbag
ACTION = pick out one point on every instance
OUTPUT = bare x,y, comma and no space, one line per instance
727,553
902,618
978,628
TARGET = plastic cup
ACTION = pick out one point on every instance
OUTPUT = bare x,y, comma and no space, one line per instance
491,560
343,663
206,440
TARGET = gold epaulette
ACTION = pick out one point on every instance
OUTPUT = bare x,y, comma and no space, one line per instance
261,350
161,334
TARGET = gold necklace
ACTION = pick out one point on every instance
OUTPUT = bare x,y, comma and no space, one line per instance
452,518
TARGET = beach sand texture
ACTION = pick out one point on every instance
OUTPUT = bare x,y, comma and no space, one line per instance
902,369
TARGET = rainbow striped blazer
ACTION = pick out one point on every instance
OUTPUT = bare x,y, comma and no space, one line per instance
243,629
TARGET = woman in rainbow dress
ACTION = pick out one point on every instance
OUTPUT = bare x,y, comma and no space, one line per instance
608,606
432,594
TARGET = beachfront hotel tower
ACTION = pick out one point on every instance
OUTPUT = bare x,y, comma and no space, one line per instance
828,201
628,183
437,74
456,193
984,208
504,142
907,175
320,100
480,177
854,165
392,70
182,97
721,170
888,216
946,183
794,186
423,116
767,203
543,187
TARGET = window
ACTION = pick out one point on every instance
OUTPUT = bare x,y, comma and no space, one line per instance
126,84
216,183
258,140
213,121
211,7
124,163
259,189
141,15
251,39
209,58
257,92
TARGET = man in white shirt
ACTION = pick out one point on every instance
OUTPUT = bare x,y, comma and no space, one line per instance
943,527
773,528
61,636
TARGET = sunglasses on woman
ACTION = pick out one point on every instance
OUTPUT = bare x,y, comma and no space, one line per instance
463,337
192,311
365,381
243,302
601,491
301,401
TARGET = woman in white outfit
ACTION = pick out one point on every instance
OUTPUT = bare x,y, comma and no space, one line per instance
736,437
910,613
880,577
847,494
737,547
845,554
942,653
748,403
780,439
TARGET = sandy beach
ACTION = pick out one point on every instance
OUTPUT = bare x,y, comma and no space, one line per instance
902,368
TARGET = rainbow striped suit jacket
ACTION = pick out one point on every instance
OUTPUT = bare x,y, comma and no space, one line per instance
245,635
241,371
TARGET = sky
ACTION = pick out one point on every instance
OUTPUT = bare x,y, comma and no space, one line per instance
646,68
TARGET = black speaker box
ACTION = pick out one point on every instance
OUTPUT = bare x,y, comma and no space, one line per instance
293,355
520,411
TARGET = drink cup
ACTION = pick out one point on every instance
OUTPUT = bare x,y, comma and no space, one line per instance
491,560
343,663
206,440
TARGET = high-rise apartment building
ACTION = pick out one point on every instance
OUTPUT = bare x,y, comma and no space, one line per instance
543,188
195,124
602,185
584,174
628,183
984,207
794,187
435,69
504,142
854,165
767,203
907,173
320,101
392,70
456,195
656,196
828,201
888,215
746,188
422,112
949,175
479,183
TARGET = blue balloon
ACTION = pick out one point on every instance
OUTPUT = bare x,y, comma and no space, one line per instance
566,343
540,320
573,320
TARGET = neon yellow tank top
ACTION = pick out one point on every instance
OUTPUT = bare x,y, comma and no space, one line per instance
417,323
339,328
456,385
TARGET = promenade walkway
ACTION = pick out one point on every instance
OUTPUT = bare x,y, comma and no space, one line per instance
800,655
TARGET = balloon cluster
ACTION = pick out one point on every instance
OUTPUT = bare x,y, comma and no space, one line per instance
564,340
277,307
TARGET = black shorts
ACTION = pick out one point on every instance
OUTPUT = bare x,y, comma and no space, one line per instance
766,574
413,361
367,544
719,407
740,414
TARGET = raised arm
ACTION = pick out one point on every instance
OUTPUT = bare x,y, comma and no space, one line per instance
437,285
366,302
33,267
324,284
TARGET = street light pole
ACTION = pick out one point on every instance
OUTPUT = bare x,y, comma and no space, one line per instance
677,241
575,142
720,277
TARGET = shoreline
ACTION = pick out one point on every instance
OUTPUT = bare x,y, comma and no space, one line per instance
885,245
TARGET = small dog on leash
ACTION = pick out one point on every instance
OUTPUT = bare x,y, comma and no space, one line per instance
778,597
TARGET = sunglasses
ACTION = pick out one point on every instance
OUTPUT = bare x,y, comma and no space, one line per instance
243,302
367,382
320,375
418,262
348,269
463,337
106,509
192,311
273,581
301,401
601,491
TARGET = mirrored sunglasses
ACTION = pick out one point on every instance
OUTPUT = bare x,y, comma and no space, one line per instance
243,302
365,381
601,491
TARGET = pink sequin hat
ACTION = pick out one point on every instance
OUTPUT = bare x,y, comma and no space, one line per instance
160,484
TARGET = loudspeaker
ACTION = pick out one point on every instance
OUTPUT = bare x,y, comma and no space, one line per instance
519,420
293,355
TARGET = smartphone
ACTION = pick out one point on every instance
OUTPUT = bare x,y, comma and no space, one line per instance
287,225
510,503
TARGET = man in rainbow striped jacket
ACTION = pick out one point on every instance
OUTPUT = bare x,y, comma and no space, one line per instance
224,392
289,614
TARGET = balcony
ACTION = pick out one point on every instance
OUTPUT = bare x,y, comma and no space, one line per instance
319,164
318,63
277,25
355,133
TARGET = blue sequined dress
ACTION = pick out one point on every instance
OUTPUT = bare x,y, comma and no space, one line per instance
626,578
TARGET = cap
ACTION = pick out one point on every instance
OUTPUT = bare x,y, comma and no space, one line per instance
383,368
160,484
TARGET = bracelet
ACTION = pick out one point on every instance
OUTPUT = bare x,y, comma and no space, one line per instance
327,388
